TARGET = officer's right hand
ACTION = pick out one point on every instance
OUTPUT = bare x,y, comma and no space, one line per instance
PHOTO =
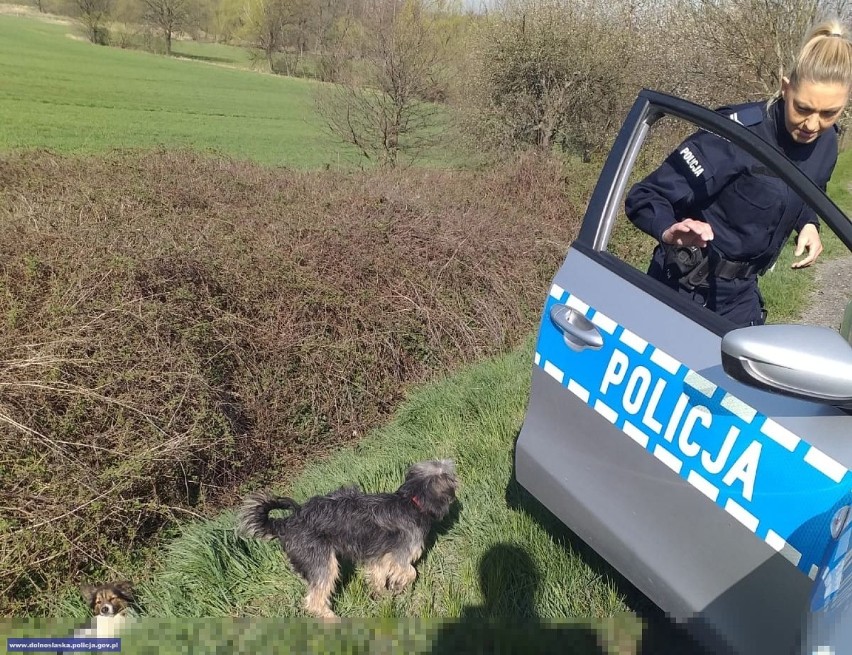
688,232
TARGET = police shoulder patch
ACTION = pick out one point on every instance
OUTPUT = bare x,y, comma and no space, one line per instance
747,115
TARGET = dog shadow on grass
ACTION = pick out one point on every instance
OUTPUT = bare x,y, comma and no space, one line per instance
507,621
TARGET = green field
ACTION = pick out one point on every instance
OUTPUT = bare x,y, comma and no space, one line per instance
65,94
216,53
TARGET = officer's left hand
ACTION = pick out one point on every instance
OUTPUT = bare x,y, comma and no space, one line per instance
808,240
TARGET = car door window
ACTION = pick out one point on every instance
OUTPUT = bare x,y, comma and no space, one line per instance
760,198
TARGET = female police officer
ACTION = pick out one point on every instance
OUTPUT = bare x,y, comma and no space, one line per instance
720,217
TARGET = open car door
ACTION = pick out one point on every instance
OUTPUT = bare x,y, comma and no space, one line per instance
714,497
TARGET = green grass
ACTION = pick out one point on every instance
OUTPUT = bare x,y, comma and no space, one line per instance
838,187
499,555
215,53
473,418
68,95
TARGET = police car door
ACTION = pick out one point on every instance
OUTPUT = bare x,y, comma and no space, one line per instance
711,496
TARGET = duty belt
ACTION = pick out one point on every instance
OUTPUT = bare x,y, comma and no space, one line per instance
692,267
728,269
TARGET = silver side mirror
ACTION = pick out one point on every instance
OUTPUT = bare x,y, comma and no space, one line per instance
808,362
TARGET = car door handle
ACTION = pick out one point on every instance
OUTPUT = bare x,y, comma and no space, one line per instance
578,332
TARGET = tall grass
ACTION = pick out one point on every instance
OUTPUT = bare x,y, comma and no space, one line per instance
499,557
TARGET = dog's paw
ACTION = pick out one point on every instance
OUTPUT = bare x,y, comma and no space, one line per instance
398,583
378,590
397,587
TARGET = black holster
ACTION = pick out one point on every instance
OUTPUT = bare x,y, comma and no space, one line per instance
689,265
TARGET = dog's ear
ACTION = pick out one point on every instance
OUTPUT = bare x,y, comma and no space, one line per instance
88,592
125,588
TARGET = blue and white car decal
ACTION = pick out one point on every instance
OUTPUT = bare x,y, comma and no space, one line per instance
771,481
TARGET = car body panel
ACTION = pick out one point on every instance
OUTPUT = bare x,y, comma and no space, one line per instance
829,629
713,497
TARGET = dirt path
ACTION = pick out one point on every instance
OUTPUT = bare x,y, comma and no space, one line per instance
833,292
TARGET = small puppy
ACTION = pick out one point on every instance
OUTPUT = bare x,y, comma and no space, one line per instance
110,599
109,604
385,532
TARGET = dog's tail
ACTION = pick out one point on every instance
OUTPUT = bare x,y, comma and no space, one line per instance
253,517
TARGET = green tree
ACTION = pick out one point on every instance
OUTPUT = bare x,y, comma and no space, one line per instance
227,18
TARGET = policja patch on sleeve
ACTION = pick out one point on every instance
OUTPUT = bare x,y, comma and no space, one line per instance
691,161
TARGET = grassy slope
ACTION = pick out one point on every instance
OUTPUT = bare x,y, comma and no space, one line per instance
66,94
472,417
498,556
215,53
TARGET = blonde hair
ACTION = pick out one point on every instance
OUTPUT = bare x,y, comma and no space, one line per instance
825,56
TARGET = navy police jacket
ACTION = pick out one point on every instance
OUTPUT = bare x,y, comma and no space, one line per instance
752,211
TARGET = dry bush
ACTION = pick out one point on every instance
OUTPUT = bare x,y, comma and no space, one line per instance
173,326
749,44
387,111
551,73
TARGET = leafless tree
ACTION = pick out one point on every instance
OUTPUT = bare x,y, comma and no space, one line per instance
744,47
169,16
388,113
94,15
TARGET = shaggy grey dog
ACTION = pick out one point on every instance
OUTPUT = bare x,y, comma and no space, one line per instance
384,532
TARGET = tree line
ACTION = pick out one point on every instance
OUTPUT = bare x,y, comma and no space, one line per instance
546,74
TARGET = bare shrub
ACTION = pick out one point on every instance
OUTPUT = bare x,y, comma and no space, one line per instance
94,14
750,43
170,17
174,326
386,109
550,73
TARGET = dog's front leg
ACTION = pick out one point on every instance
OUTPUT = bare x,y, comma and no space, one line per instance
377,574
401,577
